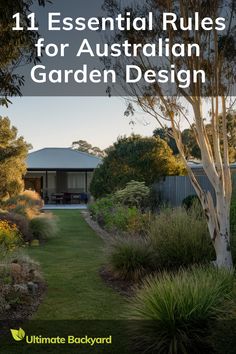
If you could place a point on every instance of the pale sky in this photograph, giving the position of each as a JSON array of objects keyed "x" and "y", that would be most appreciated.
[{"x": 58, "y": 121}]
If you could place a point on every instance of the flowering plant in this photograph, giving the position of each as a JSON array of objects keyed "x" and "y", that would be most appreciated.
[{"x": 10, "y": 237}]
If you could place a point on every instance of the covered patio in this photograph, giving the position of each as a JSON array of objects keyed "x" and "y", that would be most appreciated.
[
  {"x": 64, "y": 207},
  {"x": 61, "y": 176}
]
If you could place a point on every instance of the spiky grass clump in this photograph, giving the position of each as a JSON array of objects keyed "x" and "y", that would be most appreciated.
[
  {"x": 43, "y": 227},
  {"x": 180, "y": 238},
  {"x": 130, "y": 258},
  {"x": 176, "y": 312}
]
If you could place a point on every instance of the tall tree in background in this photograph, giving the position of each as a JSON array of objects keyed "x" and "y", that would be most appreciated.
[
  {"x": 218, "y": 60},
  {"x": 84, "y": 146},
  {"x": 17, "y": 47},
  {"x": 134, "y": 158},
  {"x": 13, "y": 153},
  {"x": 191, "y": 147},
  {"x": 166, "y": 134}
]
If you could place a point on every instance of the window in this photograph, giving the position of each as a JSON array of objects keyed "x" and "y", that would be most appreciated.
[{"x": 76, "y": 180}]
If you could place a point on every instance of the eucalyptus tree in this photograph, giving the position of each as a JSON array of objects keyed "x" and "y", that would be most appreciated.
[{"x": 196, "y": 104}]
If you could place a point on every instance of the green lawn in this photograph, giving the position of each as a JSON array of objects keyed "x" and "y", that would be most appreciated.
[{"x": 70, "y": 263}]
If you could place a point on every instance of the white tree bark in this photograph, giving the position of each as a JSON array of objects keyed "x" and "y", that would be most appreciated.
[
  {"x": 218, "y": 172},
  {"x": 171, "y": 109}
]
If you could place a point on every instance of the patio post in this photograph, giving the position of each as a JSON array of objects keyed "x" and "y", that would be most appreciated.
[
  {"x": 46, "y": 185},
  {"x": 86, "y": 181}
]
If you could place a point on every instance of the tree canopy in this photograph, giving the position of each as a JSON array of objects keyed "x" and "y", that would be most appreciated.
[
  {"x": 134, "y": 158},
  {"x": 17, "y": 47},
  {"x": 191, "y": 147},
  {"x": 13, "y": 153},
  {"x": 84, "y": 146}
]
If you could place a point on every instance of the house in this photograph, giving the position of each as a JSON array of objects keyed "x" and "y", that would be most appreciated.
[
  {"x": 199, "y": 171},
  {"x": 60, "y": 175}
]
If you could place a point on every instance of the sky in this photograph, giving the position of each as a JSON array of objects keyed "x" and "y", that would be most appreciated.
[{"x": 58, "y": 121}]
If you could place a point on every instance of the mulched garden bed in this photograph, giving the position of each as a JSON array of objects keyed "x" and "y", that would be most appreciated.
[
  {"x": 27, "y": 306},
  {"x": 123, "y": 287}
]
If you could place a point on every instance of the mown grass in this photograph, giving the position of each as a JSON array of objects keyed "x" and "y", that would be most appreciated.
[{"x": 70, "y": 263}]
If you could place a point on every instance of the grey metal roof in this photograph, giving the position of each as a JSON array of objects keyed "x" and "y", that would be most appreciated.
[
  {"x": 61, "y": 158},
  {"x": 196, "y": 166}
]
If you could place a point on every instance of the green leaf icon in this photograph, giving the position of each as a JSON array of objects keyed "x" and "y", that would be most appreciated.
[{"x": 18, "y": 335}]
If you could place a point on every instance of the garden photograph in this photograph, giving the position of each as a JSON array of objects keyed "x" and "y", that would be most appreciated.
[{"x": 118, "y": 176}]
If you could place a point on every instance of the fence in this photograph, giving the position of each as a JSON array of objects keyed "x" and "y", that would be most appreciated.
[{"x": 173, "y": 189}]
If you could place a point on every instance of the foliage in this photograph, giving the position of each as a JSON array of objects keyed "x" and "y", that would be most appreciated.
[
  {"x": 17, "y": 47},
  {"x": 173, "y": 243},
  {"x": 233, "y": 228},
  {"x": 84, "y": 146},
  {"x": 101, "y": 210},
  {"x": 189, "y": 201},
  {"x": 16, "y": 271},
  {"x": 191, "y": 147},
  {"x": 10, "y": 237},
  {"x": 123, "y": 219},
  {"x": 118, "y": 218},
  {"x": 134, "y": 194},
  {"x": 166, "y": 134},
  {"x": 130, "y": 258},
  {"x": 155, "y": 199},
  {"x": 20, "y": 221},
  {"x": 233, "y": 215},
  {"x": 28, "y": 204},
  {"x": 13, "y": 152},
  {"x": 43, "y": 227},
  {"x": 134, "y": 158},
  {"x": 180, "y": 238},
  {"x": 177, "y": 312}
]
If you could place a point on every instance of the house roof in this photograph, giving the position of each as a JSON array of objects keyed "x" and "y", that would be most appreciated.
[
  {"x": 199, "y": 166},
  {"x": 61, "y": 158}
]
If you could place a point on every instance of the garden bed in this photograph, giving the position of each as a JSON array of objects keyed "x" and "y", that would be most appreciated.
[{"x": 26, "y": 310}]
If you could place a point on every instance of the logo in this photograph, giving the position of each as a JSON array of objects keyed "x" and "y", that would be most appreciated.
[{"x": 18, "y": 334}]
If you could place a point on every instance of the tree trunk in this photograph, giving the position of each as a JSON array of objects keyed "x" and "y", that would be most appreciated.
[
  {"x": 223, "y": 252},
  {"x": 219, "y": 228}
]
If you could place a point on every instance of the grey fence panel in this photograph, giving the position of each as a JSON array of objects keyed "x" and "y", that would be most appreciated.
[
  {"x": 174, "y": 189},
  {"x": 234, "y": 184}
]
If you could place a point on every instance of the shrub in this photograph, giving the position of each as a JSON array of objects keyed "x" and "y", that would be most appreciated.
[
  {"x": 10, "y": 237},
  {"x": 101, "y": 210},
  {"x": 27, "y": 263},
  {"x": 117, "y": 217},
  {"x": 130, "y": 258},
  {"x": 155, "y": 199},
  {"x": 233, "y": 228},
  {"x": 27, "y": 204},
  {"x": 20, "y": 221},
  {"x": 127, "y": 219},
  {"x": 233, "y": 216},
  {"x": 17, "y": 271},
  {"x": 135, "y": 194},
  {"x": 180, "y": 238},
  {"x": 178, "y": 311},
  {"x": 43, "y": 227},
  {"x": 141, "y": 158},
  {"x": 190, "y": 201}
]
